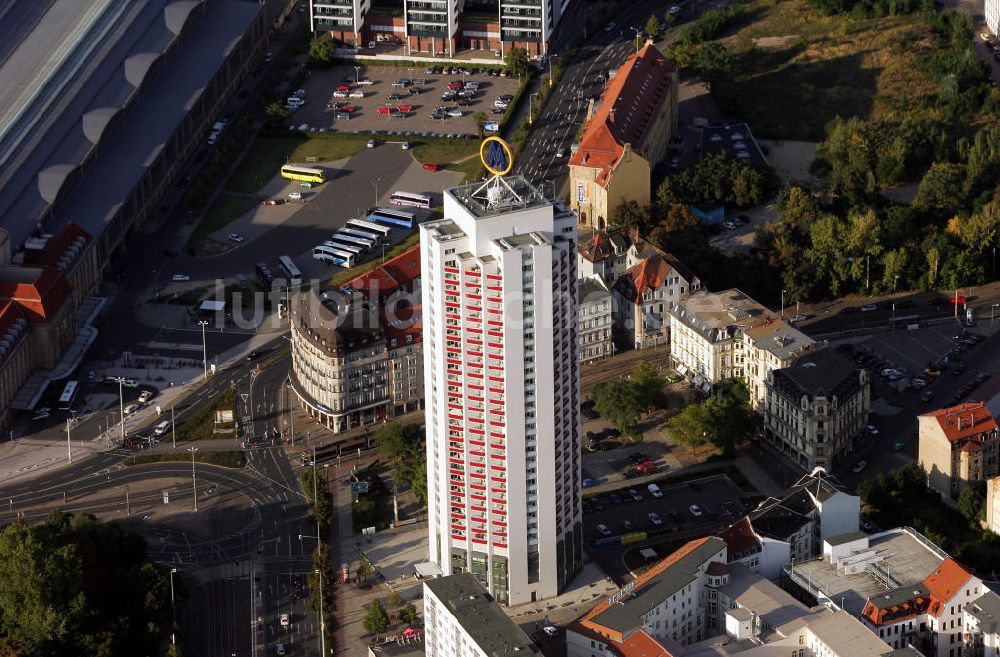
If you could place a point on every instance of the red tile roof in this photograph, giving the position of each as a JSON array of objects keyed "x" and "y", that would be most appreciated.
[
  {"x": 640, "y": 644},
  {"x": 650, "y": 274},
  {"x": 945, "y": 582},
  {"x": 964, "y": 420},
  {"x": 740, "y": 539},
  {"x": 381, "y": 285},
  {"x": 58, "y": 246},
  {"x": 39, "y": 292},
  {"x": 626, "y": 112}
]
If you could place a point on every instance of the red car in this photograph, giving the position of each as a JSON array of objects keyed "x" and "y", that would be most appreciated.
[
  {"x": 455, "y": 85},
  {"x": 347, "y": 108},
  {"x": 431, "y": 167},
  {"x": 343, "y": 87},
  {"x": 385, "y": 110},
  {"x": 405, "y": 108}
]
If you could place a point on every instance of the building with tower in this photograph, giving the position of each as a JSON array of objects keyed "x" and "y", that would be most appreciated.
[{"x": 501, "y": 386}]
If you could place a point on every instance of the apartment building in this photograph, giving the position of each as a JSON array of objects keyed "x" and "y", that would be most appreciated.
[
  {"x": 716, "y": 336},
  {"x": 356, "y": 350},
  {"x": 595, "y": 323},
  {"x": 501, "y": 382},
  {"x": 47, "y": 313},
  {"x": 981, "y": 621},
  {"x": 958, "y": 445},
  {"x": 442, "y": 28},
  {"x": 698, "y": 602},
  {"x": 645, "y": 291},
  {"x": 625, "y": 135},
  {"x": 462, "y": 618},
  {"x": 905, "y": 589},
  {"x": 814, "y": 510},
  {"x": 816, "y": 411}
]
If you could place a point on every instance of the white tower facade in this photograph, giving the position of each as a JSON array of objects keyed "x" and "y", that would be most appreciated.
[{"x": 502, "y": 389}]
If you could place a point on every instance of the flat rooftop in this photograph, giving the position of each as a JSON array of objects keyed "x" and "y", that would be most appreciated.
[
  {"x": 712, "y": 313},
  {"x": 481, "y": 617},
  {"x": 499, "y": 195},
  {"x": 906, "y": 559}
]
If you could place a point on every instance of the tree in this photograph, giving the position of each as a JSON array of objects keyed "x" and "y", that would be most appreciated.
[
  {"x": 365, "y": 570},
  {"x": 653, "y": 26},
  {"x": 942, "y": 188},
  {"x": 517, "y": 63},
  {"x": 620, "y": 403},
  {"x": 276, "y": 113},
  {"x": 376, "y": 620},
  {"x": 649, "y": 384},
  {"x": 714, "y": 64},
  {"x": 409, "y": 614},
  {"x": 323, "y": 49},
  {"x": 690, "y": 427},
  {"x": 396, "y": 600},
  {"x": 629, "y": 213},
  {"x": 403, "y": 444},
  {"x": 972, "y": 501}
]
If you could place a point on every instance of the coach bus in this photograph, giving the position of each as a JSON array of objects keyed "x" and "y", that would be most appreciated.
[
  {"x": 264, "y": 275},
  {"x": 412, "y": 200},
  {"x": 323, "y": 254},
  {"x": 303, "y": 174},
  {"x": 68, "y": 395},
  {"x": 349, "y": 258},
  {"x": 343, "y": 246},
  {"x": 375, "y": 239},
  {"x": 370, "y": 227},
  {"x": 364, "y": 243},
  {"x": 396, "y": 218},
  {"x": 293, "y": 273}
]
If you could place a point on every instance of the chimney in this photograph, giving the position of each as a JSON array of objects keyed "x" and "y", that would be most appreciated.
[{"x": 612, "y": 115}]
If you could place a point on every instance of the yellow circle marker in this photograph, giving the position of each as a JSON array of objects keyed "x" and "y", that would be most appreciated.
[{"x": 496, "y": 156}]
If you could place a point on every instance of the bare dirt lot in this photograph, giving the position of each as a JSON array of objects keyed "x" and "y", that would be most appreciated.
[{"x": 423, "y": 96}]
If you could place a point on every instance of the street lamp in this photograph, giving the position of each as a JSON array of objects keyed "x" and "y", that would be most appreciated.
[
  {"x": 375, "y": 184},
  {"x": 204, "y": 346},
  {"x": 121, "y": 405},
  {"x": 637, "y": 32},
  {"x": 895, "y": 279},
  {"x": 69, "y": 444},
  {"x": 991, "y": 313},
  {"x": 551, "y": 57},
  {"x": 322, "y": 619},
  {"x": 357, "y": 74},
  {"x": 530, "y": 112},
  {"x": 783, "y": 304},
  {"x": 173, "y": 609},
  {"x": 194, "y": 479}
]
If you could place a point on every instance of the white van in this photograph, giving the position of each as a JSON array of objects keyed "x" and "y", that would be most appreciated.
[
  {"x": 161, "y": 428},
  {"x": 654, "y": 490},
  {"x": 491, "y": 126}
]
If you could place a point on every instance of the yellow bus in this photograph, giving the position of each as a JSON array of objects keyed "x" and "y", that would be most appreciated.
[{"x": 305, "y": 174}]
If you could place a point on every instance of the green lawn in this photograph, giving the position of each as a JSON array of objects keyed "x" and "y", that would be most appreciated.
[
  {"x": 200, "y": 426},
  {"x": 357, "y": 270},
  {"x": 223, "y": 210},
  {"x": 267, "y": 154},
  {"x": 796, "y": 69},
  {"x": 227, "y": 459},
  {"x": 443, "y": 151}
]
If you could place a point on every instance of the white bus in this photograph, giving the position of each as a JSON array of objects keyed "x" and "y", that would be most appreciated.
[
  {"x": 323, "y": 255},
  {"x": 412, "y": 200},
  {"x": 293, "y": 273},
  {"x": 337, "y": 244},
  {"x": 364, "y": 243},
  {"x": 68, "y": 395},
  {"x": 349, "y": 258},
  {"x": 394, "y": 218},
  {"x": 360, "y": 234},
  {"x": 370, "y": 227}
]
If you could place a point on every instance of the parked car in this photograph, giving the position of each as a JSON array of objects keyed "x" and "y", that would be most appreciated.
[
  {"x": 603, "y": 530},
  {"x": 859, "y": 466},
  {"x": 695, "y": 510},
  {"x": 178, "y": 278},
  {"x": 589, "y": 482},
  {"x": 654, "y": 518},
  {"x": 356, "y": 94},
  {"x": 550, "y": 630},
  {"x": 927, "y": 396},
  {"x": 295, "y": 196},
  {"x": 131, "y": 408},
  {"x": 868, "y": 307},
  {"x": 371, "y": 143},
  {"x": 236, "y": 237},
  {"x": 145, "y": 396},
  {"x": 872, "y": 430}
]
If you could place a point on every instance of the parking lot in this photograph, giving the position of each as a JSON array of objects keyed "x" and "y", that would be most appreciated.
[
  {"x": 419, "y": 100},
  {"x": 720, "y": 503},
  {"x": 914, "y": 361}
]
